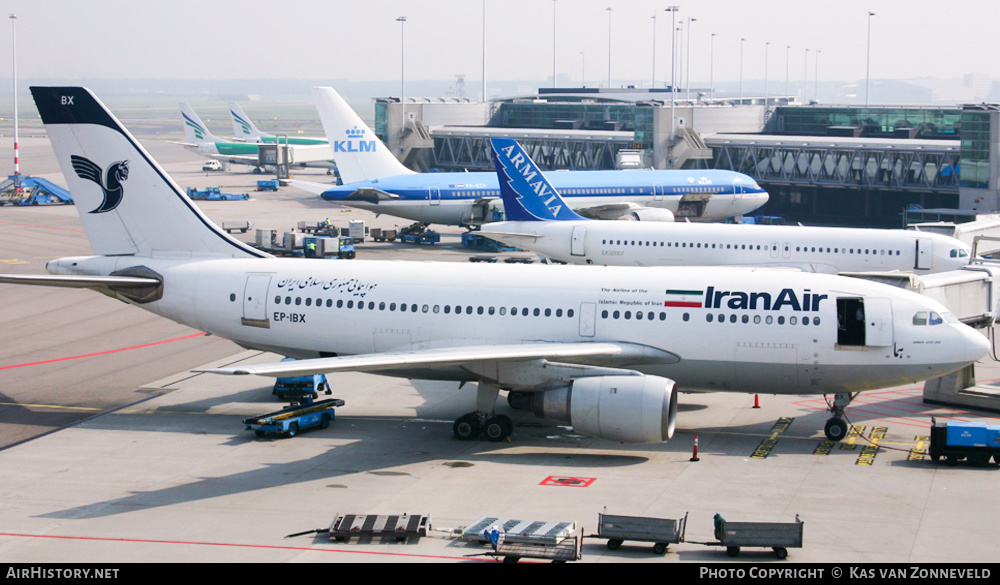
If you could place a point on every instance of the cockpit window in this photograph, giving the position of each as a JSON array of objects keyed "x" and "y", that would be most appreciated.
[
  {"x": 920, "y": 318},
  {"x": 956, "y": 253},
  {"x": 935, "y": 319},
  {"x": 949, "y": 318}
]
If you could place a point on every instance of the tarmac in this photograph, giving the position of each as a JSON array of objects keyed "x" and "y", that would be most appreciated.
[{"x": 113, "y": 451}]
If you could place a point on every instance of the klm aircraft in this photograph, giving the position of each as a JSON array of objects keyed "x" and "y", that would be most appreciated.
[
  {"x": 540, "y": 220},
  {"x": 199, "y": 139},
  {"x": 376, "y": 181},
  {"x": 602, "y": 349}
]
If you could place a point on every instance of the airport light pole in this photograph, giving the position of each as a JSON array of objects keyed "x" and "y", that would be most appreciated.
[
  {"x": 402, "y": 60},
  {"x": 673, "y": 46},
  {"x": 13, "y": 39},
  {"x": 652, "y": 84},
  {"x": 484, "y": 51},
  {"x": 868, "y": 59},
  {"x": 788, "y": 50},
  {"x": 816, "y": 81},
  {"x": 767, "y": 48},
  {"x": 609, "y": 47},
  {"x": 687, "y": 67},
  {"x": 711, "y": 68}
]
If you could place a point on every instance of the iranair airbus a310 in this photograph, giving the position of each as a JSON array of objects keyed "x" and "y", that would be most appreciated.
[
  {"x": 604, "y": 349},
  {"x": 376, "y": 181},
  {"x": 539, "y": 220}
]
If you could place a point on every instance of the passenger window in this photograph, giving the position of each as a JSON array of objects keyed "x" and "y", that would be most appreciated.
[{"x": 920, "y": 318}]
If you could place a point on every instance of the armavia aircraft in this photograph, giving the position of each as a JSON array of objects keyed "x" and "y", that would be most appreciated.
[
  {"x": 541, "y": 221},
  {"x": 376, "y": 181},
  {"x": 199, "y": 139},
  {"x": 603, "y": 349}
]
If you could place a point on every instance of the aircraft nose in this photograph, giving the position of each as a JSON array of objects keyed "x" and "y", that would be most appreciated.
[{"x": 976, "y": 344}]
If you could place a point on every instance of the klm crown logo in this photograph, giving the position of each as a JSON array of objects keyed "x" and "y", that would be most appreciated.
[{"x": 354, "y": 142}]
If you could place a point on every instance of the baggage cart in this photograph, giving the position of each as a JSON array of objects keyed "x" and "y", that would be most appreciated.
[
  {"x": 399, "y": 527},
  {"x": 778, "y": 536},
  {"x": 660, "y": 531},
  {"x": 527, "y": 539}
]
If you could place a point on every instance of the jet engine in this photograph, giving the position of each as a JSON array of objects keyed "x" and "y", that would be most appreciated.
[
  {"x": 630, "y": 409},
  {"x": 650, "y": 214}
]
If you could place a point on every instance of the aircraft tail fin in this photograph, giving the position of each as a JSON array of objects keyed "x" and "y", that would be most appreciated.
[
  {"x": 527, "y": 194},
  {"x": 243, "y": 126},
  {"x": 195, "y": 131},
  {"x": 359, "y": 154},
  {"x": 127, "y": 203}
]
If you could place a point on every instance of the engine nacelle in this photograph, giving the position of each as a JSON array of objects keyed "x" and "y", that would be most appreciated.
[
  {"x": 630, "y": 409},
  {"x": 650, "y": 214}
]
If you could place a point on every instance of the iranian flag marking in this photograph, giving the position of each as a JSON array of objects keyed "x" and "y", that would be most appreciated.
[{"x": 684, "y": 298}]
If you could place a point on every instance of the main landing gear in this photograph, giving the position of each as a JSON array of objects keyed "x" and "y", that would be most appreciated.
[
  {"x": 836, "y": 427},
  {"x": 495, "y": 427}
]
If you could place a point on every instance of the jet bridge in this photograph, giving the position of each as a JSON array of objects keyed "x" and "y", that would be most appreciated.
[{"x": 972, "y": 296}]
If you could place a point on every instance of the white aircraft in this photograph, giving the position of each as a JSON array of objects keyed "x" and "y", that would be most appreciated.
[
  {"x": 602, "y": 349},
  {"x": 539, "y": 220},
  {"x": 199, "y": 139},
  {"x": 244, "y": 129},
  {"x": 376, "y": 181}
]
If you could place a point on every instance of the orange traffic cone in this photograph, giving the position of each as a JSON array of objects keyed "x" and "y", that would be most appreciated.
[
  {"x": 756, "y": 401},
  {"x": 694, "y": 455}
]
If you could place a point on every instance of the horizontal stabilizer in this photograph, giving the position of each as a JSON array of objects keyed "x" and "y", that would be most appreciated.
[
  {"x": 72, "y": 281},
  {"x": 447, "y": 356}
]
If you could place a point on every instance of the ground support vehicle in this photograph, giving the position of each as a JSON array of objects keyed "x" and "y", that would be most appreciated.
[
  {"x": 514, "y": 540},
  {"x": 660, "y": 531},
  {"x": 480, "y": 242},
  {"x": 778, "y": 536},
  {"x": 399, "y": 527},
  {"x": 974, "y": 442},
  {"x": 269, "y": 185},
  {"x": 292, "y": 419},
  {"x": 418, "y": 234},
  {"x": 214, "y": 194}
]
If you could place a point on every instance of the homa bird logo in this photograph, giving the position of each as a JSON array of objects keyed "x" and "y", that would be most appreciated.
[
  {"x": 353, "y": 142},
  {"x": 111, "y": 184}
]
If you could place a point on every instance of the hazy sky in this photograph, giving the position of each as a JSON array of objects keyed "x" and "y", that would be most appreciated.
[{"x": 360, "y": 40}]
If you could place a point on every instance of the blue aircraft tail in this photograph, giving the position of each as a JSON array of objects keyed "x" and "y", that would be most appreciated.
[{"x": 527, "y": 194}]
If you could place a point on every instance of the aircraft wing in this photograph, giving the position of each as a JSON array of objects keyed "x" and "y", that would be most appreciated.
[
  {"x": 74, "y": 281},
  {"x": 309, "y": 186},
  {"x": 452, "y": 356},
  {"x": 599, "y": 210}
]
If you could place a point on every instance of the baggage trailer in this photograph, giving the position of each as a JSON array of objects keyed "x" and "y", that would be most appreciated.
[
  {"x": 778, "y": 536},
  {"x": 292, "y": 419},
  {"x": 660, "y": 531},
  {"x": 527, "y": 539},
  {"x": 399, "y": 527},
  {"x": 974, "y": 442}
]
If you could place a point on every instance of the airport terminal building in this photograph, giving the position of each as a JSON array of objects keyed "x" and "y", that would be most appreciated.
[{"x": 836, "y": 165}]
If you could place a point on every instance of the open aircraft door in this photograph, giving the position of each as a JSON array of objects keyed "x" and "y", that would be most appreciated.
[
  {"x": 434, "y": 195},
  {"x": 925, "y": 254},
  {"x": 255, "y": 301},
  {"x": 577, "y": 246},
  {"x": 878, "y": 322}
]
